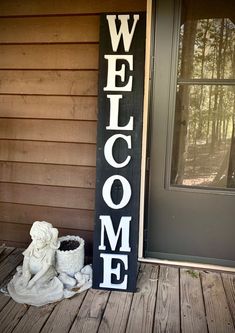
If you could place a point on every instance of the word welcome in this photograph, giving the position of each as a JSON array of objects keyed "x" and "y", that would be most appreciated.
[{"x": 116, "y": 228}]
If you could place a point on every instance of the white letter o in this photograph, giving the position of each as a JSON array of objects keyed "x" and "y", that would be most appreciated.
[{"x": 106, "y": 192}]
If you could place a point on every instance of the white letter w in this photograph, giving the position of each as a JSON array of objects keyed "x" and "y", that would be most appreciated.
[{"x": 123, "y": 30}]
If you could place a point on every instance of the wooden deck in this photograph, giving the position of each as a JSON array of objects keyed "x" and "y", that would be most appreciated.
[{"x": 169, "y": 299}]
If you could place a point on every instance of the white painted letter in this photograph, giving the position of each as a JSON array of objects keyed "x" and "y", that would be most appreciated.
[
  {"x": 108, "y": 150},
  {"x": 106, "y": 192},
  {"x": 114, "y": 115},
  {"x": 124, "y": 226},
  {"x": 113, "y": 72},
  {"x": 123, "y": 31},
  {"x": 108, "y": 271}
]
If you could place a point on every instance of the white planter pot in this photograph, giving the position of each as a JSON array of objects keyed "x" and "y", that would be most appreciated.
[{"x": 70, "y": 261}]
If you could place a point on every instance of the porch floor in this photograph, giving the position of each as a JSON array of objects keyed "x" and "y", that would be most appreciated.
[{"x": 168, "y": 299}]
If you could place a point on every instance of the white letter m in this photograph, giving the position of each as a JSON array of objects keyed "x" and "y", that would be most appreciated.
[{"x": 124, "y": 226}]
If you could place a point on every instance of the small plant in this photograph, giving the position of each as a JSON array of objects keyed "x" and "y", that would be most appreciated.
[{"x": 193, "y": 274}]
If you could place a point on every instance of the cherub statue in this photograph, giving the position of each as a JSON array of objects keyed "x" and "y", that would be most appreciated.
[{"x": 36, "y": 282}]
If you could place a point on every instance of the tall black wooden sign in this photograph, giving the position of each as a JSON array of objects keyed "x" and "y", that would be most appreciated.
[{"x": 121, "y": 86}]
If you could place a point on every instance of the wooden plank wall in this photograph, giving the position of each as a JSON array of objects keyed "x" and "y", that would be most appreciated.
[{"x": 48, "y": 110}]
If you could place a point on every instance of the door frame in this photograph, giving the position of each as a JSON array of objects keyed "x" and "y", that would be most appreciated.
[{"x": 148, "y": 88}]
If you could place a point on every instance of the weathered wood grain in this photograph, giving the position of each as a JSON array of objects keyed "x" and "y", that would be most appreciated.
[
  {"x": 47, "y": 174},
  {"x": 193, "y": 317},
  {"x": 48, "y": 130},
  {"x": 48, "y": 152},
  {"x": 66, "y": 197},
  {"x": 11, "y": 315},
  {"x": 3, "y": 298},
  {"x": 217, "y": 310},
  {"x": 48, "y": 107},
  {"x": 229, "y": 286},
  {"x": 141, "y": 315},
  {"x": 63, "y": 56},
  {"x": 26, "y": 7},
  {"x": 2, "y": 249},
  {"x": 59, "y": 217},
  {"x": 5, "y": 281},
  {"x": 116, "y": 313},
  {"x": 95, "y": 310},
  {"x": 167, "y": 314},
  {"x": 16, "y": 244},
  {"x": 60, "y": 29},
  {"x": 62, "y": 317},
  {"x": 91, "y": 311},
  {"x": 9, "y": 263},
  {"x": 48, "y": 82},
  {"x": 34, "y": 319},
  {"x": 5, "y": 252}
]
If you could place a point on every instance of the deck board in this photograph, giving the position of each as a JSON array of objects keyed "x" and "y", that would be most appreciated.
[
  {"x": 229, "y": 286},
  {"x": 193, "y": 317},
  {"x": 5, "y": 251},
  {"x": 4, "y": 279},
  {"x": 142, "y": 309},
  {"x": 167, "y": 316},
  {"x": 34, "y": 319},
  {"x": 3, "y": 301},
  {"x": 9, "y": 264},
  {"x": 11, "y": 315},
  {"x": 91, "y": 311},
  {"x": 168, "y": 299},
  {"x": 62, "y": 317},
  {"x": 116, "y": 313},
  {"x": 219, "y": 318}
]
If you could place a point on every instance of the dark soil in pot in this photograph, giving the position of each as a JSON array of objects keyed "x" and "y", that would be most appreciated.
[{"x": 69, "y": 245}]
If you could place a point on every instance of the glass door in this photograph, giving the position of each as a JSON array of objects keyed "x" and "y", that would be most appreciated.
[{"x": 192, "y": 171}]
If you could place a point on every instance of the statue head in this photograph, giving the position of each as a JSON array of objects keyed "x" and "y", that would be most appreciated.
[{"x": 43, "y": 235}]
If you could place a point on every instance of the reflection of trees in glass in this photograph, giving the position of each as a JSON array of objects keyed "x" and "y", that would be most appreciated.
[
  {"x": 213, "y": 52},
  {"x": 181, "y": 111},
  {"x": 204, "y": 116},
  {"x": 231, "y": 168}
]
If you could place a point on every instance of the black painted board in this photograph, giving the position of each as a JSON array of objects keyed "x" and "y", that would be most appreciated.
[{"x": 131, "y": 104}]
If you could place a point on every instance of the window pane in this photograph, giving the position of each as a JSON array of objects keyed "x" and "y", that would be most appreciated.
[
  {"x": 204, "y": 139},
  {"x": 207, "y": 40},
  {"x": 204, "y": 145}
]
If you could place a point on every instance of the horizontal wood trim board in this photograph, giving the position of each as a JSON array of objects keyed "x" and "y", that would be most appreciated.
[
  {"x": 70, "y": 29},
  {"x": 48, "y": 82},
  {"x": 29, "y": 7},
  {"x": 59, "y": 217},
  {"x": 81, "y": 56},
  {"x": 66, "y": 197},
  {"x": 48, "y": 152},
  {"x": 48, "y": 130},
  {"x": 48, "y": 107},
  {"x": 20, "y": 233},
  {"x": 47, "y": 174},
  {"x": 18, "y": 245}
]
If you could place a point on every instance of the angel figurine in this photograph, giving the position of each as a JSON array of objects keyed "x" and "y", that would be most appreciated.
[{"x": 36, "y": 282}]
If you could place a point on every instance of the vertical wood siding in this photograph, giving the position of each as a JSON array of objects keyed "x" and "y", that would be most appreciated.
[{"x": 48, "y": 109}]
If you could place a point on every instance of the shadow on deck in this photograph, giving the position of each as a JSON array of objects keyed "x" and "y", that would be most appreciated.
[{"x": 168, "y": 299}]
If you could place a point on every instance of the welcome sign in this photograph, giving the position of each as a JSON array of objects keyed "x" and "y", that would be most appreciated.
[{"x": 121, "y": 89}]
